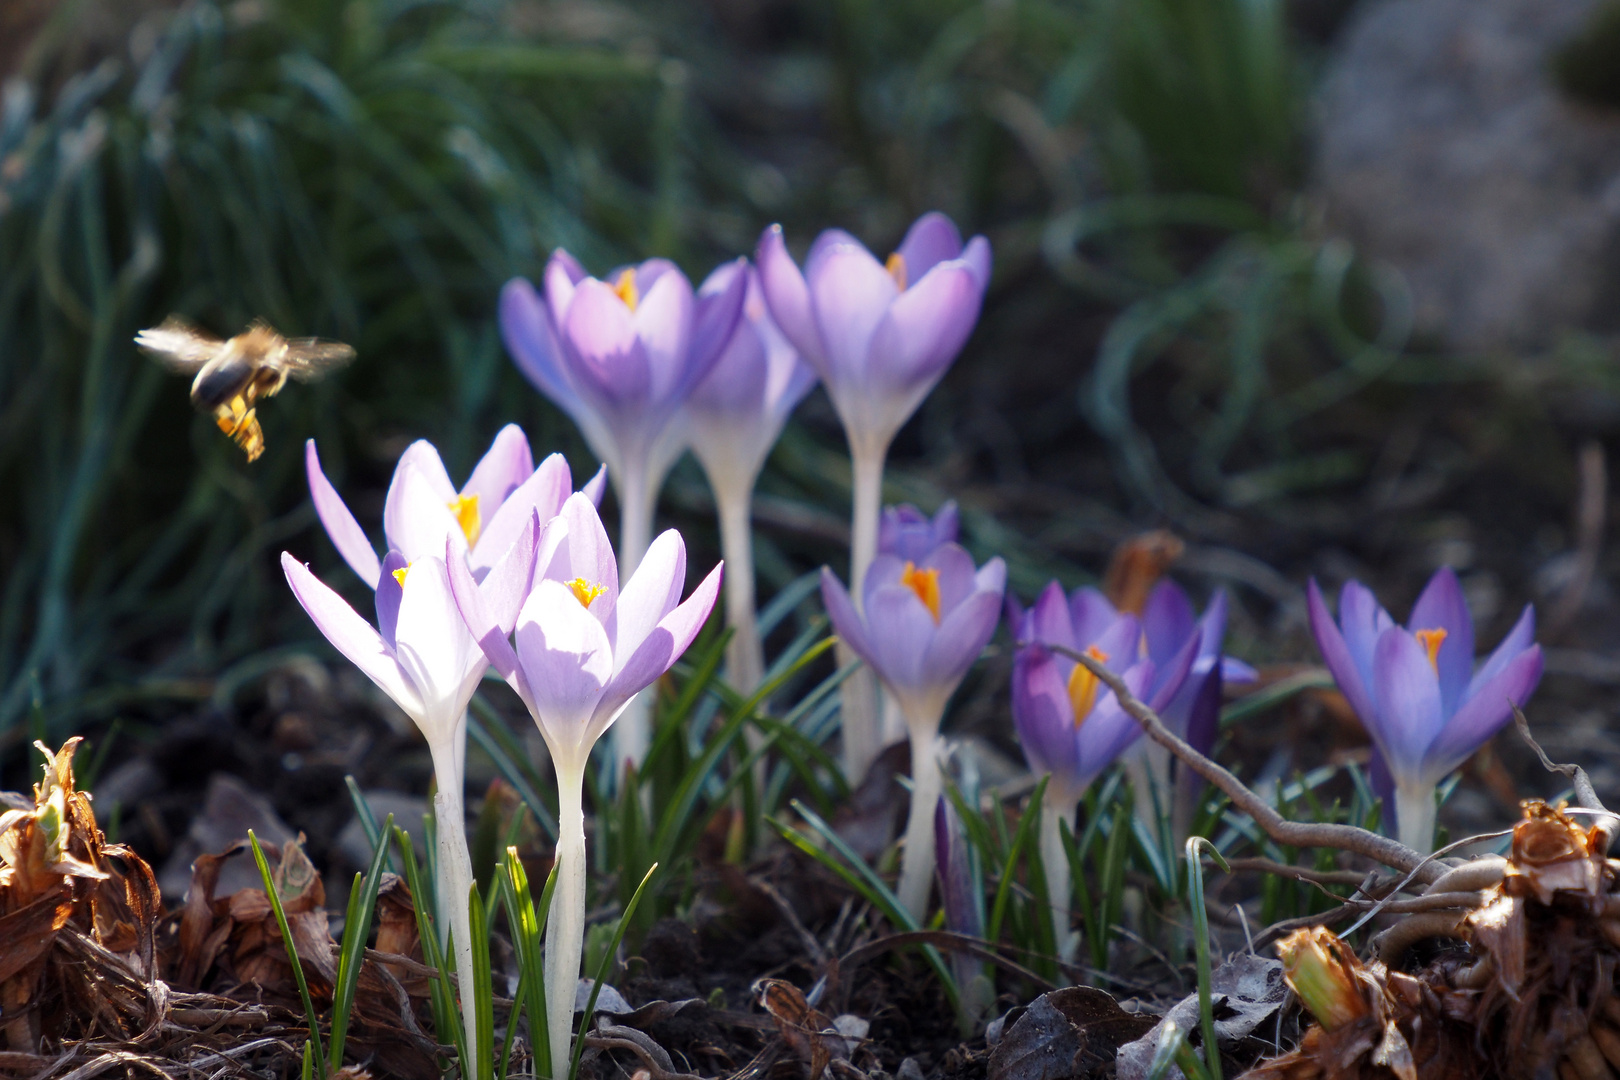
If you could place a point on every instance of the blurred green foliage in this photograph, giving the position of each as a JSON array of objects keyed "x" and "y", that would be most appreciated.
[{"x": 373, "y": 171}]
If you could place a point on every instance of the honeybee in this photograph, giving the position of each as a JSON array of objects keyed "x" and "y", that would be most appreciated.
[{"x": 233, "y": 375}]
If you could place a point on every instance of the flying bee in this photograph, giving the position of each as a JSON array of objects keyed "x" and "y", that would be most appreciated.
[{"x": 233, "y": 375}]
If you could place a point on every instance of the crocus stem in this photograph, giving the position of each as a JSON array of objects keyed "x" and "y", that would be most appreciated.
[
  {"x": 861, "y": 734},
  {"x": 1058, "y": 806},
  {"x": 565, "y": 930},
  {"x": 917, "y": 859},
  {"x": 1415, "y": 813},
  {"x": 1148, "y": 765},
  {"x": 637, "y": 497},
  {"x": 454, "y": 878},
  {"x": 745, "y": 655}
]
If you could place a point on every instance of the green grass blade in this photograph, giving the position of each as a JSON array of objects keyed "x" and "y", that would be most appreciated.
[
  {"x": 602, "y": 970},
  {"x": 482, "y": 991},
  {"x": 512, "y": 1022},
  {"x": 1021, "y": 840},
  {"x": 356, "y": 929},
  {"x": 313, "y": 1046},
  {"x": 485, "y": 728},
  {"x": 527, "y": 926},
  {"x": 1200, "y": 921},
  {"x": 442, "y": 995}
]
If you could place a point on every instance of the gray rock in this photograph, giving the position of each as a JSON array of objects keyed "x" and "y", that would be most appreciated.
[{"x": 1445, "y": 148}]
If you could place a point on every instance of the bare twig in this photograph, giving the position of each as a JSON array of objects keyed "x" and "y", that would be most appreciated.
[
  {"x": 1292, "y": 833},
  {"x": 1585, "y": 794},
  {"x": 1260, "y": 865}
]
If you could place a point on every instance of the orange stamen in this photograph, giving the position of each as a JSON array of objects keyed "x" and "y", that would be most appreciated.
[
  {"x": 1431, "y": 641},
  {"x": 464, "y": 508},
  {"x": 896, "y": 266},
  {"x": 625, "y": 287},
  {"x": 1083, "y": 686},
  {"x": 586, "y": 591},
  {"x": 925, "y": 583}
]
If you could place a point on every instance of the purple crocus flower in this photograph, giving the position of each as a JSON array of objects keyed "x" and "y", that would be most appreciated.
[
  {"x": 880, "y": 335},
  {"x": 423, "y": 507},
  {"x": 911, "y": 534},
  {"x": 920, "y": 628},
  {"x": 961, "y": 888},
  {"x": 421, "y": 655},
  {"x": 731, "y": 420},
  {"x": 1417, "y": 691},
  {"x": 582, "y": 649}
]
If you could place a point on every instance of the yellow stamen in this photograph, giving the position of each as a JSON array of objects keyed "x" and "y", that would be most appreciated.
[
  {"x": 1083, "y": 686},
  {"x": 586, "y": 591},
  {"x": 1431, "y": 640},
  {"x": 399, "y": 575},
  {"x": 925, "y": 583},
  {"x": 464, "y": 508},
  {"x": 625, "y": 287},
  {"x": 896, "y": 266}
]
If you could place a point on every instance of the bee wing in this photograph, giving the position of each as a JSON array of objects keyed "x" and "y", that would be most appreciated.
[
  {"x": 308, "y": 359},
  {"x": 178, "y": 345}
]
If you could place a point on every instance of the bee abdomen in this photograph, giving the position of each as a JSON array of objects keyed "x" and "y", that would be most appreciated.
[{"x": 220, "y": 381}]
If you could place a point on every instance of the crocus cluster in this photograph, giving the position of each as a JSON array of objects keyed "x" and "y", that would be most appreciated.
[
  {"x": 1417, "y": 691},
  {"x": 453, "y": 588}
]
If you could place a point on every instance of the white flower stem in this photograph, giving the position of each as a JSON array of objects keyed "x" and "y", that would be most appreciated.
[
  {"x": 1148, "y": 765},
  {"x": 637, "y": 498},
  {"x": 453, "y": 879},
  {"x": 1056, "y": 806},
  {"x": 859, "y": 694},
  {"x": 1415, "y": 814},
  {"x": 917, "y": 858},
  {"x": 565, "y": 929},
  {"x": 745, "y": 655}
]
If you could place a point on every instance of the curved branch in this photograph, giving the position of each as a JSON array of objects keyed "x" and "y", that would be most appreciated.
[{"x": 1381, "y": 849}]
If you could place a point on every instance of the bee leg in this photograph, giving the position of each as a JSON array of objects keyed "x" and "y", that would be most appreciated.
[
  {"x": 231, "y": 415},
  {"x": 250, "y": 436}
]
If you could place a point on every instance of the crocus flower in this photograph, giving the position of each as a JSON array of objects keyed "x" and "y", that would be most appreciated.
[
  {"x": 880, "y": 335},
  {"x": 620, "y": 356},
  {"x": 421, "y": 655},
  {"x": 1070, "y": 725},
  {"x": 911, "y": 534},
  {"x": 731, "y": 420},
  {"x": 1416, "y": 689},
  {"x": 583, "y": 649},
  {"x": 961, "y": 888},
  {"x": 920, "y": 628},
  {"x": 423, "y": 506}
]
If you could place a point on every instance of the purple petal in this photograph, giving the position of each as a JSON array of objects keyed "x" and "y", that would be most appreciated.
[
  {"x": 1042, "y": 713},
  {"x": 956, "y": 574},
  {"x": 734, "y": 389},
  {"x": 510, "y": 580},
  {"x": 1336, "y": 654},
  {"x": 484, "y": 624},
  {"x": 1204, "y": 719},
  {"x": 503, "y": 467},
  {"x": 582, "y": 551},
  {"x": 567, "y": 659},
  {"x": 1362, "y": 620},
  {"x": 932, "y": 238},
  {"x": 947, "y": 523},
  {"x": 605, "y": 351},
  {"x": 663, "y": 321},
  {"x": 1212, "y": 627},
  {"x": 388, "y": 596},
  {"x": 1049, "y": 619},
  {"x": 900, "y": 629},
  {"x": 347, "y": 536},
  {"x": 350, "y": 634},
  {"x": 1442, "y": 605},
  {"x": 919, "y": 335},
  {"x": 423, "y": 456},
  {"x": 956, "y": 884},
  {"x": 1167, "y": 621},
  {"x": 652, "y": 592},
  {"x": 1014, "y": 614},
  {"x": 563, "y": 274},
  {"x": 543, "y": 493},
  {"x": 432, "y": 643},
  {"x": 1406, "y": 697},
  {"x": 977, "y": 257},
  {"x": 1091, "y": 613},
  {"x": 1520, "y": 638},
  {"x": 841, "y": 610},
  {"x": 884, "y": 571},
  {"x": 961, "y": 638},
  {"x": 850, "y": 292},
  {"x": 596, "y": 487},
  {"x": 719, "y": 310},
  {"x": 531, "y": 339},
  {"x": 1109, "y": 730},
  {"x": 788, "y": 297},
  {"x": 828, "y": 240},
  {"x": 1484, "y": 714},
  {"x": 1169, "y": 679},
  {"x": 1121, "y": 643},
  {"x": 415, "y": 519},
  {"x": 664, "y": 645}
]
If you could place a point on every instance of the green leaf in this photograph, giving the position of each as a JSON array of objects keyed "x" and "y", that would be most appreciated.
[
  {"x": 602, "y": 970},
  {"x": 313, "y": 1046},
  {"x": 356, "y": 931}
]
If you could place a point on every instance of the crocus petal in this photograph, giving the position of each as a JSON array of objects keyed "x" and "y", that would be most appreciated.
[
  {"x": 1169, "y": 679},
  {"x": 582, "y": 550},
  {"x": 351, "y": 635},
  {"x": 563, "y": 274},
  {"x": 977, "y": 257},
  {"x": 543, "y": 492},
  {"x": 498, "y": 473},
  {"x": 1362, "y": 620},
  {"x": 660, "y": 648},
  {"x": 484, "y": 624},
  {"x": 606, "y": 355},
  {"x": 1484, "y": 714},
  {"x": 1110, "y": 730},
  {"x": 567, "y": 659},
  {"x": 415, "y": 519},
  {"x": 716, "y": 315},
  {"x": 510, "y": 580},
  {"x": 1042, "y": 713},
  {"x": 652, "y": 592},
  {"x": 1336, "y": 654},
  {"x": 932, "y": 238},
  {"x": 388, "y": 597},
  {"x": 961, "y": 638},
  {"x": 922, "y": 331},
  {"x": 788, "y": 297},
  {"x": 956, "y": 573},
  {"x": 1204, "y": 718},
  {"x": 531, "y": 340},
  {"x": 1167, "y": 621},
  {"x": 597, "y": 487},
  {"x": 1442, "y": 605},
  {"x": 1212, "y": 627},
  {"x": 345, "y": 532},
  {"x": 1014, "y": 614},
  {"x": 1520, "y": 638},
  {"x": 1406, "y": 697},
  {"x": 1049, "y": 619},
  {"x": 424, "y": 457},
  {"x": 850, "y": 292},
  {"x": 431, "y": 640},
  {"x": 663, "y": 323},
  {"x": 1091, "y": 613},
  {"x": 900, "y": 628},
  {"x": 841, "y": 610}
]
